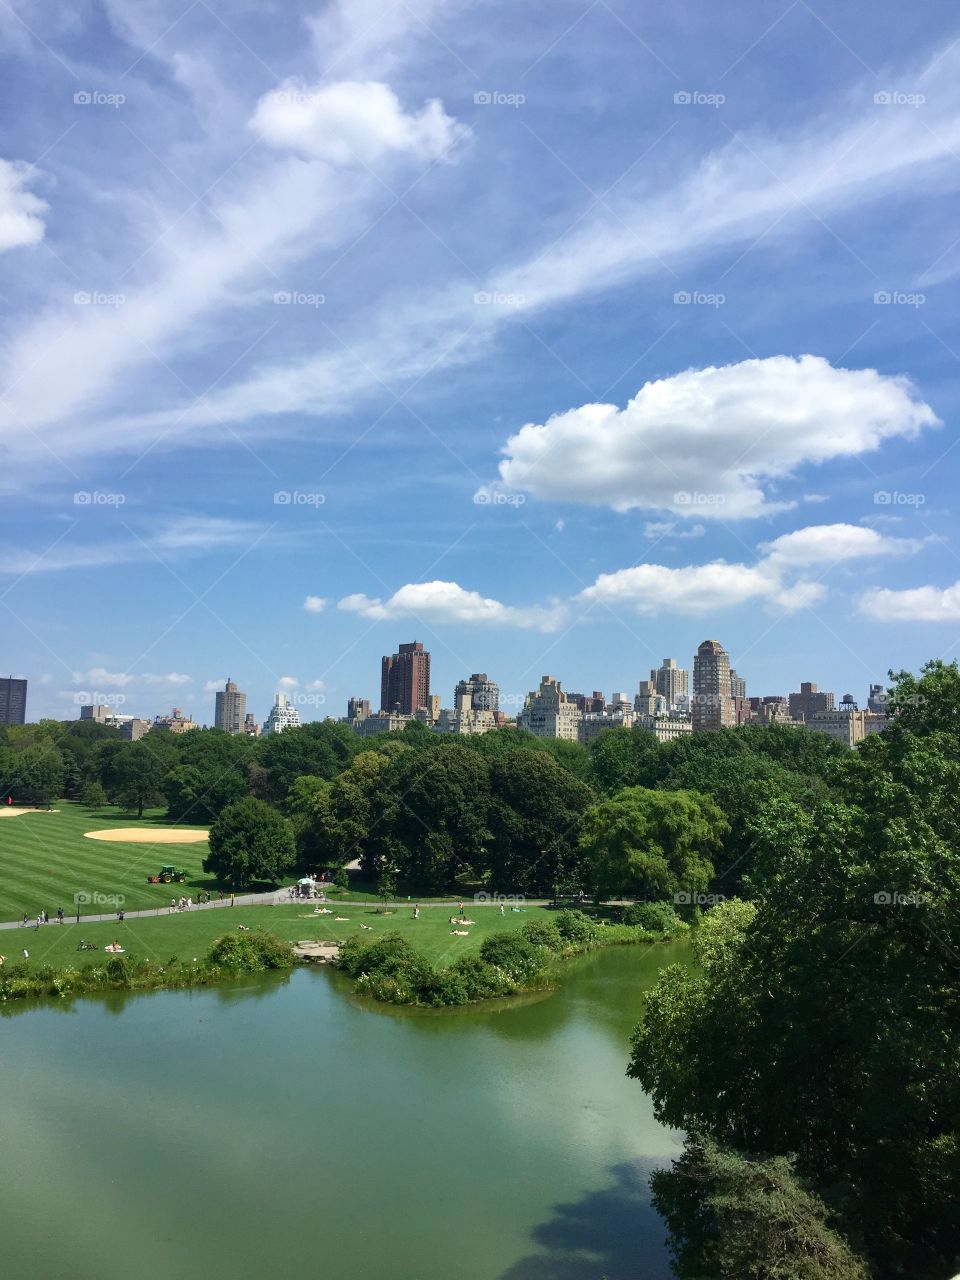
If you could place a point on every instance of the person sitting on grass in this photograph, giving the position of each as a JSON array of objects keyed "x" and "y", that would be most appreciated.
[
  {"x": 245, "y": 928},
  {"x": 460, "y": 933}
]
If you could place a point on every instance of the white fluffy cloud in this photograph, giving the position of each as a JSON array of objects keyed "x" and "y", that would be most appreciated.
[
  {"x": 775, "y": 580},
  {"x": 915, "y": 604},
  {"x": 437, "y": 602},
  {"x": 352, "y": 122},
  {"x": 649, "y": 589},
  {"x": 21, "y": 212},
  {"x": 712, "y": 442},
  {"x": 288, "y": 682},
  {"x": 828, "y": 543},
  {"x": 314, "y": 604}
]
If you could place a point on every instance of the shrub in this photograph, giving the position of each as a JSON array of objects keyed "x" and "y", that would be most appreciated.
[
  {"x": 477, "y": 978},
  {"x": 250, "y": 952},
  {"x": 391, "y": 956},
  {"x": 575, "y": 927},
  {"x": 656, "y": 917},
  {"x": 512, "y": 954},
  {"x": 543, "y": 933}
]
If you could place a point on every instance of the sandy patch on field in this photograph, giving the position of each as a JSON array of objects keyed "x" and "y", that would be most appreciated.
[
  {"x": 157, "y": 835},
  {"x": 11, "y": 811}
]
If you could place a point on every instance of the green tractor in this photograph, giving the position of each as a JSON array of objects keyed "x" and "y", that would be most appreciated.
[{"x": 168, "y": 875}]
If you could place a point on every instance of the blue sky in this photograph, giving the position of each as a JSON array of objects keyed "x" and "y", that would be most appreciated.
[{"x": 560, "y": 338}]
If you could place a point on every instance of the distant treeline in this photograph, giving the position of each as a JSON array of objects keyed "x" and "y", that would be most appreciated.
[{"x": 516, "y": 813}]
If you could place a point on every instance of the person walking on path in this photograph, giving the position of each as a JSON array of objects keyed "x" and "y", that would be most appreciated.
[{"x": 59, "y": 915}]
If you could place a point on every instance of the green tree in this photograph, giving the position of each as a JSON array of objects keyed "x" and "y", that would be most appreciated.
[
  {"x": 656, "y": 844},
  {"x": 34, "y": 774},
  {"x": 836, "y": 991},
  {"x": 429, "y": 817},
  {"x": 386, "y": 886},
  {"x": 250, "y": 843},
  {"x": 535, "y": 818},
  {"x": 138, "y": 773},
  {"x": 731, "y": 1217},
  {"x": 93, "y": 795},
  {"x": 321, "y": 749}
]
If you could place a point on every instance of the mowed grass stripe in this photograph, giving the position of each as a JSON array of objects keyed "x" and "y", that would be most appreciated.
[{"x": 45, "y": 860}]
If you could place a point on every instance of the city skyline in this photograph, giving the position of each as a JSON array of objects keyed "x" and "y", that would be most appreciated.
[
  {"x": 672, "y": 672},
  {"x": 556, "y": 382}
]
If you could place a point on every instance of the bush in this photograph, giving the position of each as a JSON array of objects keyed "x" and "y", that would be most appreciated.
[
  {"x": 543, "y": 933},
  {"x": 391, "y": 956},
  {"x": 656, "y": 917},
  {"x": 575, "y": 927},
  {"x": 93, "y": 795},
  {"x": 250, "y": 952},
  {"x": 478, "y": 979},
  {"x": 512, "y": 954}
]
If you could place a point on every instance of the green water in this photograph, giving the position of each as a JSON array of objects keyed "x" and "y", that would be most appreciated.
[{"x": 285, "y": 1129}]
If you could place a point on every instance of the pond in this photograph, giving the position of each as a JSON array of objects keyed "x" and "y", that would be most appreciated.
[{"x": 285, "y": 1127}]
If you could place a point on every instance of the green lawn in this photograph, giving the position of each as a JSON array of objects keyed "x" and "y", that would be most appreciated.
[
  {"x": 188, "y": 934},
  {"x": 45, "y": 861}
]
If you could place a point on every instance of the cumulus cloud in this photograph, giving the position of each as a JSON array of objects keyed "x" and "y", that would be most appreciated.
[
  {"x": 314, "y": 604},
  {"x": 21, "y": 212},
  {"x": 352, "y": 122},
  {"x": 438, "y": 602},
  {"x": 914, "y": 604},
  {"x": 288, "y": 682},
  {"x": 828, "y": 543},
  {"x": 712, "y": 442},
  {"x": 649, "y": 589},
  {"x": 775, "y": 580}
]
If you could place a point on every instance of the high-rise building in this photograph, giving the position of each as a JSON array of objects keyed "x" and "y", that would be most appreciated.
[
  {"x": 13, "y": 701},
  {"x": 549, "y": 713},
  {"x": 738, "y": 686},
  {"x": 358, "y": 708},
  {"x": 405, "y": 679},
  {"x": 282, "y": 716},
  {"x": 648, "y": 702},
  {"x": 809, "y": 702},
  {"x": 713, "y": 706},
  {"x": 231, "y": 709},
  {"x": 672, "y": 683},
  {"x": 484, "y": 694},
  {"x": 250, "y": 726}
]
